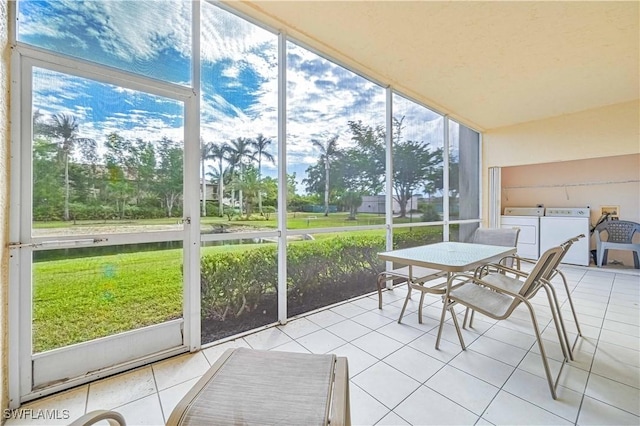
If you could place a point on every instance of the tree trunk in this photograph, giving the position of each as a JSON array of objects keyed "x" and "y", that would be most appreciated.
[
  {"x": 352, "y": 212},
  {"x": 240, "y": 190},
  {"x": 326, "y": 187},
  {"x": 233, "y": 197},
  {"x": 403, "y": 208},
  {"x": 204, "y": 192},
  {"x": 260, "y": 192},
  {"x": 66, "y": 186},
  {"x": 168, "y": 199},
  {"x": 220, "y": 195}
]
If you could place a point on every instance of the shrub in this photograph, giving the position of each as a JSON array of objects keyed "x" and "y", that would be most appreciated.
[
  {"x": 412, "y": 237},
  {"x": 233, "y": 283},
  {"x": 229, "y": 212},
  {"x": 254, "y": 217},
  {"x": 213, "y": 209},
  {"x": 430, "y": 213},
  {"x": 46, "y": 213},
  {"x": 268, "y": 211}
]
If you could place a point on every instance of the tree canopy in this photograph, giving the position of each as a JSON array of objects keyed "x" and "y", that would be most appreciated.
[{"x": 135, "y": 178}]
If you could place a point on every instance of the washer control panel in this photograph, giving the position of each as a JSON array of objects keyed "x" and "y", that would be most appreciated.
[
  {"x": 523, "y": 211},
  {"x": 567, "y": 211}
]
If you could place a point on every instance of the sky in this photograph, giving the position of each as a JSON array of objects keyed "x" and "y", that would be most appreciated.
[{"x": 239, "y": 70}]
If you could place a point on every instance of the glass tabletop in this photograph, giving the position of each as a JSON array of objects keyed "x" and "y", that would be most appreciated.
[{"x": 448, "y": 256}]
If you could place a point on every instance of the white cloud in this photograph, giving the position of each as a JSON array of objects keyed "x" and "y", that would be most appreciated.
[
  {"x": 321, "y": 97},
  {"x": 129, "y": 30}
]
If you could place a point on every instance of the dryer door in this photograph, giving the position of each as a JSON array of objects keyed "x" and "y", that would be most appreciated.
[{"x": 529, "y": 239}]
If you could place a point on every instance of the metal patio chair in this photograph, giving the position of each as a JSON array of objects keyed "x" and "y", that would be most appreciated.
[
  {"x": 254, "y": 387},
  {"x": 552, "y": 273},
  {"x": 414, "y": 274},
  {"x": 619, "y": 237},
  {"x": 497, "y": 295}
]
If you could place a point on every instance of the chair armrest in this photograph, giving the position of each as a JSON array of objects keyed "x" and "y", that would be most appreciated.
[
  {"x": 518, "y": 260},
  {"x": 464, "y": 277},
  {"x": 501, "y": 269},
  {"x": 112, "y": 417}
]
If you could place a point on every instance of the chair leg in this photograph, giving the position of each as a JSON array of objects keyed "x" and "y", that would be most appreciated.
[
  {"x": 422, "y": 294},
  {"x": 455, "y": 323},
  {"x": 599, "y": 256},
  {"x": 561, "y": 330},
  {"x": 602, "y": 258},
  {"x": 570, "y": 300},
  {"x": 406, "y": 301},
  {"x": 445, "y": 304},
  {"x": 380, "y": 276},
  {"x": 469, "y": 316},
  {"x": 636, "y": 260},
  {"x": 543, "y": 354}
]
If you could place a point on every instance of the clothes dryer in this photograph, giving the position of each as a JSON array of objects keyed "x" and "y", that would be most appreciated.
[{"x": 528, "y": 220}]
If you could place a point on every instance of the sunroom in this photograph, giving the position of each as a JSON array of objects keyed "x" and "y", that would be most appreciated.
[{"x": 181, "y": 177}]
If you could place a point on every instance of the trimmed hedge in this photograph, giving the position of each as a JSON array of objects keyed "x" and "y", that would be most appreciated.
[{"x": 234, "y": 283}]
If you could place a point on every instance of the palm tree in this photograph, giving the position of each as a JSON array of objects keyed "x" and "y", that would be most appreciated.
[
  {"x": 220, "y": 153},
  {"x": 206, "y": 153},
  {"x": 65, "y": 128},
  {"x": 328, "y": 150},
  {"x": 251, "y": 187},
  {"x": 260, "y": 144},
  {"x": 240, "y": 149}
]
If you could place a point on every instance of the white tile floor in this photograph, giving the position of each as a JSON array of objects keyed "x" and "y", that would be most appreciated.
[{"x": 399, "y": 378}]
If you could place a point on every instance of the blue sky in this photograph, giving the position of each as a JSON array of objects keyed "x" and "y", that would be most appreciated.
[{"x": 239, "y": 77}]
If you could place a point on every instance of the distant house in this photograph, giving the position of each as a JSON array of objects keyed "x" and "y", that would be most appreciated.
[
  {"x": 211, "y": 191},
  {"x": 376, "y": 204}
]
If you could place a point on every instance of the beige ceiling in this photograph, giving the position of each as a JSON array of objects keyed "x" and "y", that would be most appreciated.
[{"x": 488, "y": 64}]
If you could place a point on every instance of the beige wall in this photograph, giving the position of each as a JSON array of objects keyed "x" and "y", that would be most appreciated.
[
  {"x": 4, "y": 197},
  {"x": 593, "y": 182},
  {"x": 600, "y": 132}
]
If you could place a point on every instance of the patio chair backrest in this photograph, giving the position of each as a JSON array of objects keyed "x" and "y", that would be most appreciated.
[
  {"x": 543, "y": 268},
  {"x": 507, "y": 237},
  {"x": 565, "y": 248},
  {"x": 618, "y": 231}
]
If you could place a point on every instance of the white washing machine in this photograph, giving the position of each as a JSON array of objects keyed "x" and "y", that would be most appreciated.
[
  {"x": 528, "y": 220},
  {"x": 561, "y": 223}
]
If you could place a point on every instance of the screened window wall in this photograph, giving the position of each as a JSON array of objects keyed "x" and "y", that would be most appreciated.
[
  {"x": 464, "y": 181},
  {"x": 336, "y": 167},
  {"x": 123, "y": 166}
]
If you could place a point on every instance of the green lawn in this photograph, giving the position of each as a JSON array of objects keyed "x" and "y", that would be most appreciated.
[{"x": 81, "y": 299}]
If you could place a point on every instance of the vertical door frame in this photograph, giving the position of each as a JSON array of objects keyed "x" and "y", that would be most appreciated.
[{"x": 24, "y": 60}]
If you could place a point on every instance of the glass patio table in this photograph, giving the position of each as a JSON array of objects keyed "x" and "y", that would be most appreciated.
[{"x": 449, "y": 257}]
